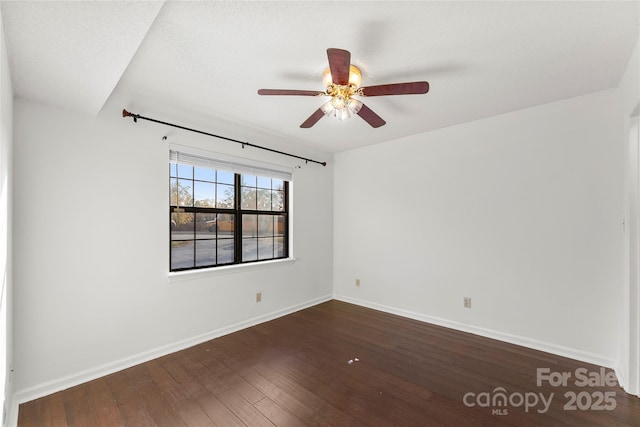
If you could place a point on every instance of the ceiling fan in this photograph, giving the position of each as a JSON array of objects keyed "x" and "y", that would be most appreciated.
[{"x": 342, "y": 81}]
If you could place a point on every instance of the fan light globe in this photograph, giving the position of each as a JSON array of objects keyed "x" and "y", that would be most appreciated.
[{"x": 338, "y": 102}]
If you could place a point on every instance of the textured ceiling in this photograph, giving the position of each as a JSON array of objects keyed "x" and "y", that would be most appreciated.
[
  {"x": 72, "y": 54},
  {"x": 203, "y": 62}
]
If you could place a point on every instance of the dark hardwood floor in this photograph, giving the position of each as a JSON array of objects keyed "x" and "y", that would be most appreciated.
[{"x": 338, "y": 364}]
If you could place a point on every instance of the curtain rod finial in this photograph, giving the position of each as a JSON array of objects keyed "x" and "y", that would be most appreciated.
[{"x": 125, "y": 113}]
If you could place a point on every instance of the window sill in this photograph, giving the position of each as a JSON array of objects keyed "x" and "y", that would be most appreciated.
[{"x": 180, "y": 276}]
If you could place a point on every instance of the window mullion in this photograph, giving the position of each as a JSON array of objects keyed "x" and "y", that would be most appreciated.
[
  {"x": 238, "y": 221},
  {"x": 285, "y": 239}
]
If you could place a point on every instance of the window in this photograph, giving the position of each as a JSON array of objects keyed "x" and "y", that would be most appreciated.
[{"x": 222, "y": 214}]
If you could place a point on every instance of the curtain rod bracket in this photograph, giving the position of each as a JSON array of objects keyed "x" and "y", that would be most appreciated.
[{"x": 135, "y": 117}]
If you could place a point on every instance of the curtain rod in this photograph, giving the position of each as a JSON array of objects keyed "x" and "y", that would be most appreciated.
[{"x": 135, "y": 117}]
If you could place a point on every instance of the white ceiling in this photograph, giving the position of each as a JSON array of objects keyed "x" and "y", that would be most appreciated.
[{"x": 203, "y": 62}]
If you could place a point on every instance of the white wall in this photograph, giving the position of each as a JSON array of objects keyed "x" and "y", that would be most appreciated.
[
  {"x": 91, "y": 260},
  {"x": 629, "y": 368},
  {"x": 521, "y": 212},
  {"x": 6, "y": 144}
]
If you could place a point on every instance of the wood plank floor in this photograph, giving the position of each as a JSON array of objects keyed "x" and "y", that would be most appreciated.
[{"x": 296, "y": 371}]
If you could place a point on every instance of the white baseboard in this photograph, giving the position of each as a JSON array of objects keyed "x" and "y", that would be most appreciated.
[
  {"x": 626, "y": 382},
  {"x": 559, "y": 350},
  {"x": 622, "y": 378},
  {"x": 63, "y": 383}
]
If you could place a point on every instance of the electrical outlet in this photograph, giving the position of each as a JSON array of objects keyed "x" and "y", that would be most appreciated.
[
  {"x": 467, "y": 302},
  {"x": 258, "y": 296},
  {"x": 357, "y": 282}
]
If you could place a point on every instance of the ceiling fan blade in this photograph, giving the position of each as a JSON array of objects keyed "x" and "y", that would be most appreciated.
[
  {"x": 290, "y": 92},
  {"x": 370, "y": 117},
  {"x": 412, "y": 88},
  {"x": 313, "y": 119},
  {"x": 339, "y": 62}
]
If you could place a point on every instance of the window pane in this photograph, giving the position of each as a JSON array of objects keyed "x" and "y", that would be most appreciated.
[
  {"x": 278, "y": 247},
  {"x": 265, "y": 225},
  {"x": 225, "y": 177},
  {"x": 265, "y": 248},
  {"x": 173, "y": 192},
  {"x": 279, "y": 225},
  {"x": 204, "y": 194},
  {"x": 249, "y": 249},
  {"x": 277, "y": 184},
  {"x": 173, "y": 170},
  {"x": 185, "y": 192},
  {"x": 249, "y": 180},
  {"x": 204, "y": 174},
  {"x": 205, "y": 252},
  {"x": 264, "y": 182},
  {"x": 181, "y": 226},
  {"x": 278, "y": 201},
  {"x": 249, "y": 225},
  {"x": 185, "y": 171},
  {"x": 264, "y": 200},
  {"x": 225, "y": 196},
  {"x": 205, "y": 225},
  {"x": 226, "y": 254},
  {"x": 225, "y": 224},
  {"x": 181, "y": 254},
  {"x": 248, "y": 198}
]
